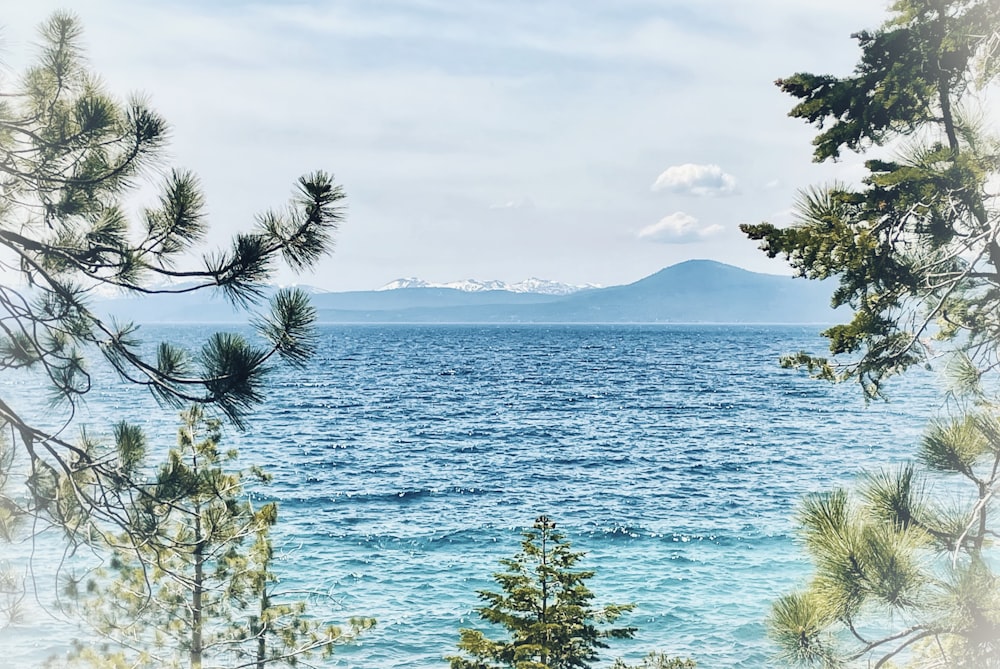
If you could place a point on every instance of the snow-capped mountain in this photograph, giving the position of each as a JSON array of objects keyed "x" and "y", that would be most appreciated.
[
  {"x": 695, "y": 291},
  {"x": 532, "y": 285},
  {"x": 546, "y": 287}
]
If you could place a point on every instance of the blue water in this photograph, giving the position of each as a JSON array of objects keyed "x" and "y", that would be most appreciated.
[{"x": 406, "y": 459}]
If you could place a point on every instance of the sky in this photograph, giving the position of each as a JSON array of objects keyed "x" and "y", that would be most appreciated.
[{"x": 570, "y": 140}]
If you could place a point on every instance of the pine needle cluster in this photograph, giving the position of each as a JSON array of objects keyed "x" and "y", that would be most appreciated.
[{"x": 72, "y": 157}]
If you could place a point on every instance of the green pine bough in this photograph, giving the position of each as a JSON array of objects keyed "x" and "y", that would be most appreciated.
[
  {"x": 904, "y": 566},
  {"x": 914, "y": 249},
  {"x": 72, "y": 157}
]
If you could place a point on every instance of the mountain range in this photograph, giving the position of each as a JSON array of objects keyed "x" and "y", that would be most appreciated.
[
  {"x": 532, "y": 285},
  {"x": 694, "y": 291}
]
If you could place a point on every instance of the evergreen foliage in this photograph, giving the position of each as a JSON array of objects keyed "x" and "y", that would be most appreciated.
[
  {"x": 546, "y": 609},
  {"x": 902, "y": 579},
  {"x": 915, "y": 249},
  {"x": 71, "y": 156},
  {"x": 658, "y": 661},
  {"x": 12, "y": 591},
  {"x": 192, "y": 584},
  {"x": 901, "y": 575}
]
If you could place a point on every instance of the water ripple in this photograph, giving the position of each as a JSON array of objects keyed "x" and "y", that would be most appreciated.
[{"x": 406, "y": 459}]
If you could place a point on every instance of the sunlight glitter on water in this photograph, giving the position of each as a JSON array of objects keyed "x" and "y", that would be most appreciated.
[{"x": 674, "y": 456}]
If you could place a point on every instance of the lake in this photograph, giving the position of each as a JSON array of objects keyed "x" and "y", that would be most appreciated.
[{"x": 406, "y": 460}]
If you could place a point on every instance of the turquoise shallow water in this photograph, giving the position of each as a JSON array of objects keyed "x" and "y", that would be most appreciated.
[{"x": 407, "y": 458}]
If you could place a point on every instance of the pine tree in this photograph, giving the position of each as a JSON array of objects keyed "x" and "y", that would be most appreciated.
[
  {"x": 915, "y": 249},
  {"x": 545, "y": 607},
  {"x": 71, "y": 157},
  {"x": 192, "y": 584},
  {"x": 901, "y": 579}
]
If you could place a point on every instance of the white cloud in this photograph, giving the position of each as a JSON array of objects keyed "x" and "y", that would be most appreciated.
[
  {"x": 520, "y": 203},
  {"x": 678, "y": 228},
  {"x": 696, "y": 180},
  {"x": 431, "y": 111}
]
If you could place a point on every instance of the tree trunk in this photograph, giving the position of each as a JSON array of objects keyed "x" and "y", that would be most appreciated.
[
  {"x": 259, "y": 632},
  {"x": 545, "y": 589},
  {"x": 199, "y": 579}
]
